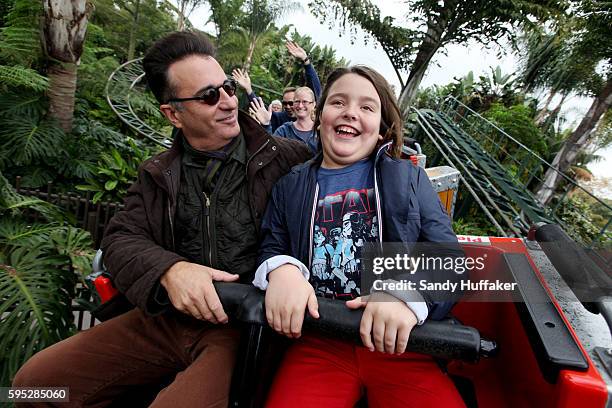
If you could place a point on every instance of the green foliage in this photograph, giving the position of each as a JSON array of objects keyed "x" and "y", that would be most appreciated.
[
  {"x": 20, "y": 36},
  {"x": 517, "y": 121},
  {"x": 116, "y": 17},
  {"x": 473, "y": 225},
  {"x": 583, "y": 218},
  {"x": 25, "y": 140},
  {"x": 18, "y": 76},
  {"x": 433, "y": 25},
  {"x": 224, "y": 14},
  {"x": 98, "y": 61},
  {"x": 37, "y": 278},
  {"x": 114, "y": 174}
]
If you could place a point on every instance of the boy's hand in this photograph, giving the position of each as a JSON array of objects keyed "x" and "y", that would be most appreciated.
[
  {"x": 287, "y": 297},
  {"x": 385, "y": 319}
]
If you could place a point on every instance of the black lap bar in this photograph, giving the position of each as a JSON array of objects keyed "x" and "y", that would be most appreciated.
[{"x": 440, "y": 339}]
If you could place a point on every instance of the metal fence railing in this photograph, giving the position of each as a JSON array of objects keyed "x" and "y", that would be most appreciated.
[{"x": 84, "y": 213}]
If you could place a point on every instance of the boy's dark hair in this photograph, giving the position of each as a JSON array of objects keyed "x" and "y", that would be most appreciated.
[
  {"x": 391, "y": 127},
  {"x": 168, "y": 50}
]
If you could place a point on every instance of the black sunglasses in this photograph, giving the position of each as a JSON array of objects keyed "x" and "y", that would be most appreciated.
[
  {"x": 290, "y": 103},
  {"x": 210, "y": 96}
]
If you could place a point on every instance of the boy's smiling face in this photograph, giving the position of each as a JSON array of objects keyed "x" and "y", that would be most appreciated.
[{"x": 350, "y": 121}]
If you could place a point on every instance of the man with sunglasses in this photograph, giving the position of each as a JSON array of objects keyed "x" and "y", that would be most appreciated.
[{"x": 191, "y": 218}]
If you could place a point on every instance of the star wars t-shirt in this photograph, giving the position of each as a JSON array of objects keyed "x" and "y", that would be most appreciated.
[{"x": 345, "y": 218}]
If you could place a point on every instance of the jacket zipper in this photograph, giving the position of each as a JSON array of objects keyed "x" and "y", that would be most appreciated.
[
  {"x": 170, "y": 217},
  {"x": 257, "y": 151},
  {"x": 377, "y": 196},
  {"x": 378, "y": 210},
  {"x": 247, "y": 176},
  {"x": 312, "y": 219},
  {"x": 207, "y": 218}
]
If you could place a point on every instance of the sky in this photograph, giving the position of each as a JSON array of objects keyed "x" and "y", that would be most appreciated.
[{"x": 458, "y": 61}]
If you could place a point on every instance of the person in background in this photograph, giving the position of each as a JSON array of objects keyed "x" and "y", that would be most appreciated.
[
  {"x": 302, "y": 128},
  {"x": 273, "y": 120},
  {"x": 276, "y": 106}
]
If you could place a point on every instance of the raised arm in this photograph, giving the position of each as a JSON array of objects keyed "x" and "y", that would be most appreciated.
[
  {"x": 243, "y": 79},
  {"x": 312, "y": 79}
]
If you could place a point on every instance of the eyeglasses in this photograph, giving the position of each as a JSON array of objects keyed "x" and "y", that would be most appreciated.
[
  {"x": 211, "y": 95},
  {"x": 287, "y": 103},
  {"x": 302, "y": 102}
]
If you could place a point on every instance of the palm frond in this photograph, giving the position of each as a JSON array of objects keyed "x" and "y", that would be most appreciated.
[
  {"x": 24, "y": 140},
  {"x": 19, "y": 76},
  {"x": 35, "y": 309},
  {"x": 12, "y": 202},
  {"x": 22, "y": 104},
  {"x": 20, "y": 38},
  {"x": 19, "y": 233}
]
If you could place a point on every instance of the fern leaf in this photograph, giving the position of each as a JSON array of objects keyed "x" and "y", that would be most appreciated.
[{"x": 18, "y": 76}]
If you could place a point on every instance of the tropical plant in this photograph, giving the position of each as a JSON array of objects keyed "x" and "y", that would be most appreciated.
[
  {"x": 224, "y": 14},
  {"x": 131, "y": 26},
  {"x": 580, "y": 222},
  {"x": 473, "y": 224},
  {"x": 438, "y": 24},
  {"x": 20, "y": 47},
  {"x": 256, "y": 27},
  {"x": 574, "y": 59},
  {"x": 184, "y": 9},
  {"x": 40, "y": 265},
  {"x": 65, "y": 24},
  {"x": 114, "y": 174}
]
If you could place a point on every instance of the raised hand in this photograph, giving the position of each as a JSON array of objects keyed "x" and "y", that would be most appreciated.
[
  {"x": 191, "y": 291},
  {"x": 258, "y": 108},
  {"x": 297, "y": 51},
  {"x": 287, "y": 297},
  {"x": 243, "y": 79},
  {"x": 386, "y": 320}
]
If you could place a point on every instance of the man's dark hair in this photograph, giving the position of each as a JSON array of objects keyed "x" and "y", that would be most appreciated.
[
  {"x": 288, "y": 89},
  {"x": 168, "y": 50}
]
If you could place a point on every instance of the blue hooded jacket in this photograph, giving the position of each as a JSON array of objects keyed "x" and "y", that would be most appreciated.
[{"x": 409, "y": 210}]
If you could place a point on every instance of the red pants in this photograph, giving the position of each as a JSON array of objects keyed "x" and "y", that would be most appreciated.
[{"x": 320, "y": 372}]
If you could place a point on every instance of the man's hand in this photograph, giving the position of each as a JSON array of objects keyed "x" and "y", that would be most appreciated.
[
  {"x": 297, "y": 51},
  {"x": 387, "y": 320},
  {"x": 190, "y": 289},
  {"x": 243, "y": 79},
  {"x": 258, "y": 109},
  {"x": 287, "y": 297}
]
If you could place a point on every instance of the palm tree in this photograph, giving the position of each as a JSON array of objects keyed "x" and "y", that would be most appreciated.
[
  {"x": 257, "y": 25},
  {"x": 65, "y": 24},
  {"x": 578, "y": 70}
]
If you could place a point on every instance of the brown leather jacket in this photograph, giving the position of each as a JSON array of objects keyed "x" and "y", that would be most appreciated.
[{"x": 138, "y": 244}]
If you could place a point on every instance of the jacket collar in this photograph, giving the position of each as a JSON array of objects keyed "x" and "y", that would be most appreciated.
[
  {"x": 380, "y": 153},
  {"x": 167, "y": 164}
]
